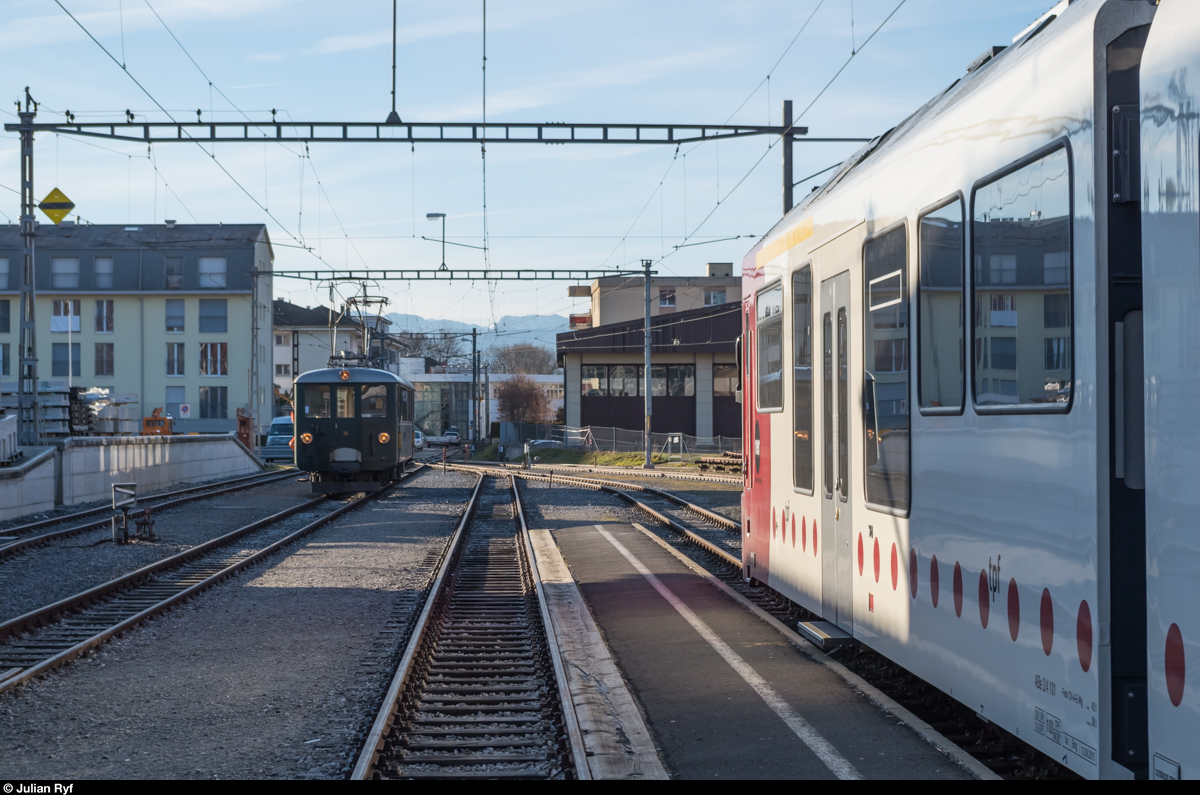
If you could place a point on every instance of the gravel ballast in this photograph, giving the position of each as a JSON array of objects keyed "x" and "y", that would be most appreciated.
[
  {"x": 65, "y": 567},
  {"x": 274, "y": 674}
]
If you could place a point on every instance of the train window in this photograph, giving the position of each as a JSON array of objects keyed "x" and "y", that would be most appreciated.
[
  {"x": 940, "y": 308},
  {"x": 885, "y": 386},
  {"x": 802, "y": 379},
  {"x": 406, "y": 405},
  {"x": 770, "y": 348},
  {"x": 594, "y": 380},
  {"x": 316, "y": 402},
  {"x": 344, "y": 400},
  {"x": 374, "y": 401},
  {"x": 1021, "y": 230}
]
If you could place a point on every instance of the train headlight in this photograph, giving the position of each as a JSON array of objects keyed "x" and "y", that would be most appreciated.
[
  {"x": 344, "y": 375},
  {"x": 306, "y": 438},
  {"x": 384, "y": 438}
]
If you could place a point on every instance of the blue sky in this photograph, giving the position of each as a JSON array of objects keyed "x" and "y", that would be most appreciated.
[{"x": 560, "y": 206}]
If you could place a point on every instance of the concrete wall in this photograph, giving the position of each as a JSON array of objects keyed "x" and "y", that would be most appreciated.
[
  {"x": 616, "y": 299},
  {"x": 29, "y": 487},
  {"x": 89, "y": 466}
]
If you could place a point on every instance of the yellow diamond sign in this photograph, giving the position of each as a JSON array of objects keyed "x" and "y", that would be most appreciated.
[{"x": 56, "y": 205}]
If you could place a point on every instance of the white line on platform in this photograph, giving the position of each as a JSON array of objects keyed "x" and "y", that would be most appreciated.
[{"x": 838, "y": 764}]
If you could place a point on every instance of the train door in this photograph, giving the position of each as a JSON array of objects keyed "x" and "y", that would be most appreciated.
[{"x": 837, "y": 594}]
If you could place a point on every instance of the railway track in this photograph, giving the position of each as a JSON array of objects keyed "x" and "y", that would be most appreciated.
[
  {"x": 51, "y": 636},
  {"x": 666, "y": 473},
  {"x": 22, "y": 538},
  {"x": 476, "y": 694}
]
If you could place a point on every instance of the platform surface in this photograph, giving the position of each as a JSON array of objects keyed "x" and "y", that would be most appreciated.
[{"x": 724, "y": 694}]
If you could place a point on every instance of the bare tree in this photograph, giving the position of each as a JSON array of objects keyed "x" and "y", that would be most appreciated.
[
  {"x": 522, "y": 358},
  {"x": 435, "y": 345},
  {"x": 522, "y": 400}
]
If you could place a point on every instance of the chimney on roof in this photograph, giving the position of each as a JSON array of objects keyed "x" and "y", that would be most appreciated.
[
  {"x": 720, "y": 268},
  {"x": 170, "y": 222}
]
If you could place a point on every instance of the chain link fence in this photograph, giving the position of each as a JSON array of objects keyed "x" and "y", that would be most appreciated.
[{"x": 597, "y": 438}]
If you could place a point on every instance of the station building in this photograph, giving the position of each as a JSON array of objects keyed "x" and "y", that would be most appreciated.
[
  {"x": 175, "y": 314},
  {"x": 693, "y": 373},
  {"x": 615, "y": 299}
]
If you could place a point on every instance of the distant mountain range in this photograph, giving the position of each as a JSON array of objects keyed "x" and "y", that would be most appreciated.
[{"x": 510, "y": 329}]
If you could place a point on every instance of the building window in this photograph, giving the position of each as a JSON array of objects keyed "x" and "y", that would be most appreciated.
[
  {"x": 104, "y": 358},
  {"x": 64, "y": 273},
  {"x": 214, "y": 358},
  {"x": 622, "y": 380},
  {"x": 4, "y": 366},
  {"x": 885, "y": 387},
  {"x": 594, "y": 380},
  {"x": 283, "y": 369},
  {"x": 681, "y": 380},
  {"x": 1022, "y": 222},
  {"x": 175, "y": 316},
  {"x": 658, "y": 381},
  {"x": 1056, "y": 311},
  {"x": 214, "y": 402},
  {"x": 176, "y": 397},
  {"x": 280, "y": 339},
  {"x": 3, "y": 273},
  {"x": 5, "y": 316},
  {"x": 58, "y": 352},
  {"x": 214, "y": 317},
  {"x": 65, "y": 316},
  {"x": 770, "y": 348},
  {"x": 175, "y": 358},
  {"x": 104, "y": 317},
  {"x": 940, "y": 307},
  {"x": 174, "y": 273},
  {"x": 102, "y": 273},
  {"x": 666, "y": 296},
  {"x": 211, "y": 273},
  {"x": 725, "y": 380},
  {"x": 1057, "y": 354},
  {"x": 714, "y": 297}
]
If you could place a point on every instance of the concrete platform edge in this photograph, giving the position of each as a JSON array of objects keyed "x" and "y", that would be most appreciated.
[
  {"x": 872, "y": 693},
  {"x": 618, "y": 743}
]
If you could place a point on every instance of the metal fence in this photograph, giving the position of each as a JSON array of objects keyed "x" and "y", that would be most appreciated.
[{"x": 623, "y": 440}]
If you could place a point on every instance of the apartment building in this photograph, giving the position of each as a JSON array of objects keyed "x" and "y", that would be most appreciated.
[
  {"x": 616, "y": 299},
  {"x": 177, "y": 314}
]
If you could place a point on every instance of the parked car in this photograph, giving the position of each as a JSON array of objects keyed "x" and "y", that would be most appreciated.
[
  {"x": 544, "y": 443},
  {"x": 279, "y": 440},
  {"x": 418, "y": 440}
]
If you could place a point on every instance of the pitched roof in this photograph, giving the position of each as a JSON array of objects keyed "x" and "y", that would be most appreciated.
[
  {"x": 291, "y": 315},
  {"x": 159, "y": 236}
]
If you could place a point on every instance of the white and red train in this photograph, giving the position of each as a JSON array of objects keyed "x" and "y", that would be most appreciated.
[{"x": 971, "y": 370}]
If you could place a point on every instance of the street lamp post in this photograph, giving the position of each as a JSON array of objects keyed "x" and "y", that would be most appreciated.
[{"x": 434, "y": 217}]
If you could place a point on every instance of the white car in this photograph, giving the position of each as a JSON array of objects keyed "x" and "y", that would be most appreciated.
[{"x": 418, "y": 440}]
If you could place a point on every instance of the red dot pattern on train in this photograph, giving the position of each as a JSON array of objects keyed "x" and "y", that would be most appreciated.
[
  {"x": 912, "y": 573},
  {"x": 877, "y": 560},
  {"x": 803, "y": 534},
  {"x": 1047, "y": 621},
  {"x": 934, "y": 582},
  {"x": 895, "y": 567},
  {"x": 985, "y": 603},
  {"x": 958, "y": 593},
  {"x": 1083, "y": 635},
  {"x": 1175, "y": 665},
  {"x": 860, "y": 555},
  {"x": 1014, "y": 610}
]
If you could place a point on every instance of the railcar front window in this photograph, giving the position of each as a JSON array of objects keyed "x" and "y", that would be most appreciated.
[
  {"x": 316, "y": 402},
  {"x": 802, "y": 379},
  {"x": 770, "y": 348},
  {"x": 374, "y": 401},
  {"x": 940, "y": 308},
  {"x": 1021, "y": 227},
  {"x": 344, "y": 397}
]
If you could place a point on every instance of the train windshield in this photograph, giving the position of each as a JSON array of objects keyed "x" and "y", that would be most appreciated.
[
  {"x": 316, "y": 402},
  {"x": 344, "y": 396},
  {"x": 374, "y": 401}
]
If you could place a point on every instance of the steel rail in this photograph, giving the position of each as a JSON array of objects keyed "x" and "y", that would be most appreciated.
[
  {"x": 574, "y": 731},
  {"x": 665, "y": 474},
  {"x": 76, "y": 650},
  {"x": 211, "y": 490},
  {"x": 387, "y": 711}
]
